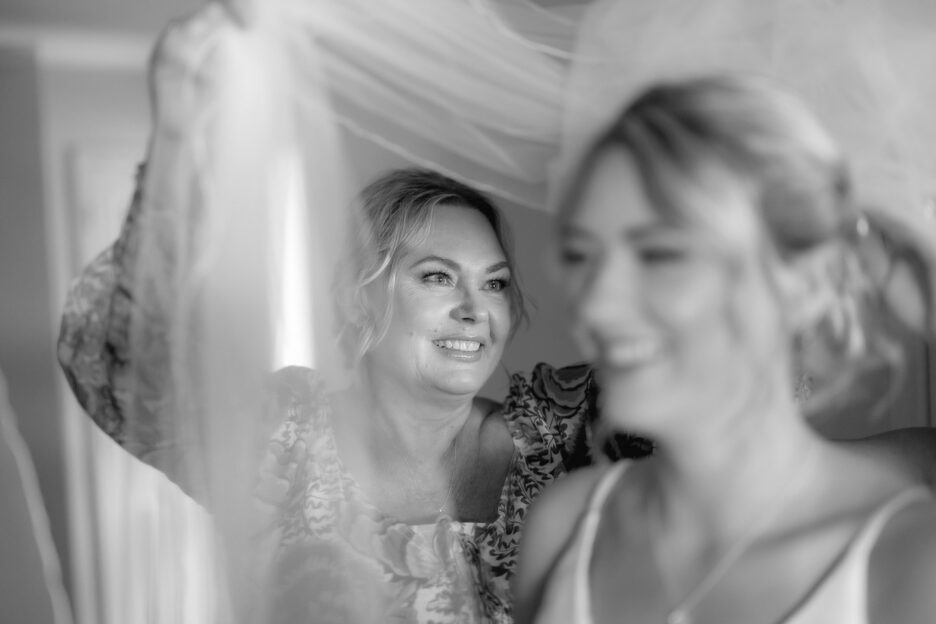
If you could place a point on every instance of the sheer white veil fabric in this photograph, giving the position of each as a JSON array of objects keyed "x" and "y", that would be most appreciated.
[
  {"x": 266, "y": 125},
  {"x": 862, "y": 65}
]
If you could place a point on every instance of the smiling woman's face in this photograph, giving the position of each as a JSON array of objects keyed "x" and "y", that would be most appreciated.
[
  {"x": 658, "y": 301},
  {"x": 450, "y": 315}
]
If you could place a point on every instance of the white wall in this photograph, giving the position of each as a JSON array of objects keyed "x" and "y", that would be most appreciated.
[{"x": 26, "y": 348}]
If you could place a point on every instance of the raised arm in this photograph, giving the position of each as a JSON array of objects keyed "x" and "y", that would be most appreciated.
[{"x": 114, "y": 345}]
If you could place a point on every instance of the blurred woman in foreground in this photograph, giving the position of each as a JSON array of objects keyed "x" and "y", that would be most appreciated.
[{"x": 707, "y": 234}]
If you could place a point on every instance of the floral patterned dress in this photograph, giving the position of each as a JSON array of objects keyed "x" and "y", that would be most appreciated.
[
  {"x": 338, "y": 557},
  {"x": 336, "y": 547}
]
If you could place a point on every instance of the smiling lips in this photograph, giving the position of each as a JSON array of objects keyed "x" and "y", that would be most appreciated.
[
  {"x": 461, "y": 346},
  {"x": 630, "y": 353}
]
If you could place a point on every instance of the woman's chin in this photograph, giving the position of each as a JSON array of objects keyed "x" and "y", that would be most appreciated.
[
  {"x": 463, "y": 383},
  {"x": 629, "y": 408}
]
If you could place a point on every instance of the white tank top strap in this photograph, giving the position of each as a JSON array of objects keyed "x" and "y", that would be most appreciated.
[
  {"x": 840, "y": 594},
  {"x": 589, "y": 528},
  {"x": 867, "y": 537}
]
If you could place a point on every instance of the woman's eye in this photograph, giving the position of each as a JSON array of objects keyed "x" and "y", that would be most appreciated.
[
  {"x": 437, "y": 277},
  {"x": 498, "y": 285},
  {"x": 661, "y": 255},
  {"x": 571, "y": 256}
]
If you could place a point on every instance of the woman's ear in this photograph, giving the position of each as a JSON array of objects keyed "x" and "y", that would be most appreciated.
[
  {"x": 899, "y": 254},
  {"x": 807, "y": 284}
]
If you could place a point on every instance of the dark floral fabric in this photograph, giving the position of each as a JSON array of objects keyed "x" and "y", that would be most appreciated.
[
  {"x": 343, "y": 560},
  {"x": 338, "y": 557}
]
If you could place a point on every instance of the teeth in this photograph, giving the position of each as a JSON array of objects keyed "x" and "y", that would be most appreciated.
[{"x": 458, "y": 345}]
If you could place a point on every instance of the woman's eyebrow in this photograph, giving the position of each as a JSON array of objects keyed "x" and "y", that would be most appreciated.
[
  {"x": 649, "y": 231},
  {"x": 572, "y": 230},
  {"x": 632, "y": 233},
  {"x": 433, "y": 258},
  {"x": 454, "y": 266}
]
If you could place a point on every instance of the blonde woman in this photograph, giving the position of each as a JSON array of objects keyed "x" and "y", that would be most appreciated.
[{"x": 708, "y": 231}]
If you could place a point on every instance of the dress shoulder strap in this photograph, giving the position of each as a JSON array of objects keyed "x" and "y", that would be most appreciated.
[
  {"x": 840, "y": 594},
  {"x": 867, "y": 537},
  {"x": 588, "y": 530}
]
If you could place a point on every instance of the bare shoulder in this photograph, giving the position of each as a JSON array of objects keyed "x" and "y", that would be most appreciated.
[
  {"x": 487, "y": 406},
  {"x": 902, "y": 568},
  {"x": 553, "y": 515},
  {"x": 548, "y": 528},
  {"x": 911, "y": 451},
  {"x": 496, "y": 441}
]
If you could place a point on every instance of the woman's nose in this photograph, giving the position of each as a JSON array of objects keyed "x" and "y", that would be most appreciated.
[
  {"x": 468, "y": 308},
  {"x": 608, "y": 297}
]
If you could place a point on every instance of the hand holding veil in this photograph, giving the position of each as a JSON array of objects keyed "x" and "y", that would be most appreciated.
[
  {"x": 264, "y": 127},
  {"x": 269, "y": 115}
]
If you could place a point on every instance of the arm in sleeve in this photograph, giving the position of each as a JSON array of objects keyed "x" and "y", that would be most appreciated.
[
  {"x": 115, "y": 343},
  {"x": 557, "y": 409}
]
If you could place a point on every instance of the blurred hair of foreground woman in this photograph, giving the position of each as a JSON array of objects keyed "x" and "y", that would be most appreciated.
[{"x": 706, "y": 234}]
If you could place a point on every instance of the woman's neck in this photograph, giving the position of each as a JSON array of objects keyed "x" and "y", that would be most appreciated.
[
  {"x": 416, "y": 458},
  {"x": 720, "y": 475},
  {"x": 420, "y": 425}
]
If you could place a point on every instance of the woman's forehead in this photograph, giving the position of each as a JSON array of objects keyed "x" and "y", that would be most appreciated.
[
  {"x": 611, "y": 197},
  {"x": 459, "y": 233},
  {"x": 616, "y": 194}
]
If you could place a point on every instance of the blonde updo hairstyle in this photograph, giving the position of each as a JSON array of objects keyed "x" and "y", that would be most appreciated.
[
  {"x": 686, "y": 137},
  {"x": 389, "y": 216}
]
